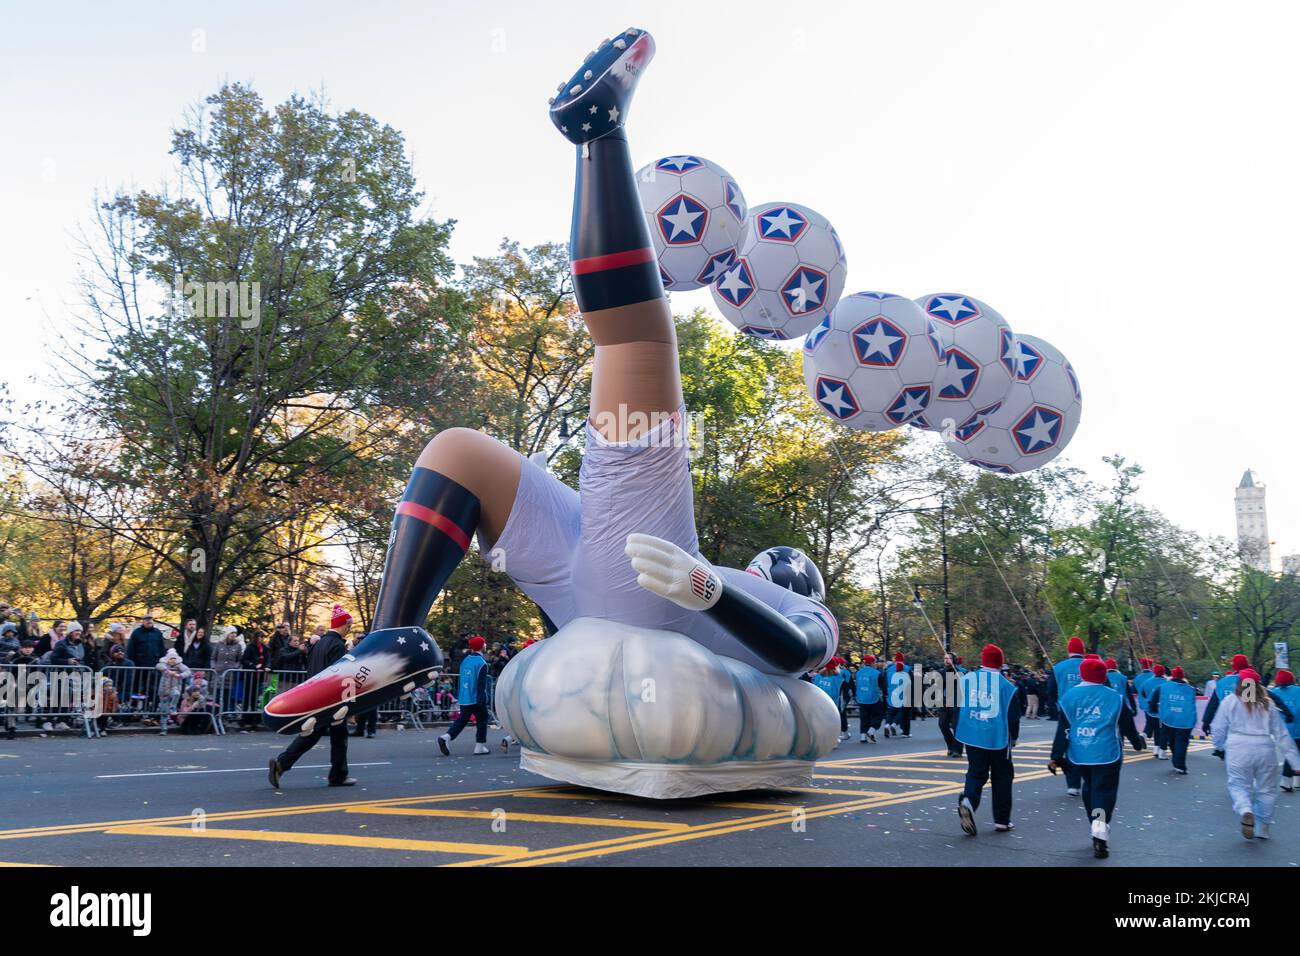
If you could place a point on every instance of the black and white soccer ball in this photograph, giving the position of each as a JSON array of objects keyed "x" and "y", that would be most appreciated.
[{"x": 790, "y": 568}]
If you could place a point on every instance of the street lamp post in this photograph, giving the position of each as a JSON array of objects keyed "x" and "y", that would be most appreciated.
[{"x": 943, "y": 555}]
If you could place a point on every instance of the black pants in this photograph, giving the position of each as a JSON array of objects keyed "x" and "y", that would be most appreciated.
[
  {"x": 1176, "y": 740},
  {"x": 1073, "y": 778},
  {"x": 479, "y": 713},
  {"x": 870, "y": 716},
  {"x": 947, "y": 717},
  {"x": 980, "y": 765},
  {"x": 902, "y": 718},
  {"x": 368, "y": 721},
  {"x": 338, "y": 749},
  {"x": 844, "y": 717},
  {"x": 1100, "y": 788},
  {"x": 1152, "y": 730}
]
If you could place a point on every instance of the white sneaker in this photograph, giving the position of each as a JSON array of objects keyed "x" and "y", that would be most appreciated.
[
  {"x": 1288, "y": 787},
  {"x": 871, "y": 735},
  {"x": 443, "y": 741},
  {"x": 47, "y": 726},
  {"x": 1261, "y": 831},
  {"x": 1100, "y": 839},
  {"x": 862, "y": 739},
  {"x": 481, "y": 749},
  {"x": 1072, "y": 791}
]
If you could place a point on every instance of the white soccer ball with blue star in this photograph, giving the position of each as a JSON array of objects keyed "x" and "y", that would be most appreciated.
[
  {"x": 976, "y": 373},
  {"x": 872, "y": 362},
  {"x": 696, "y": 213},
  {"x": 788, "y": 274},
  {"x": 1033, "y": 422}
]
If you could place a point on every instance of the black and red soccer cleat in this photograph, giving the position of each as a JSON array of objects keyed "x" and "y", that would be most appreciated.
[
  {"x": 389, "y": 663},
  {"x": 596, "y": 99}
]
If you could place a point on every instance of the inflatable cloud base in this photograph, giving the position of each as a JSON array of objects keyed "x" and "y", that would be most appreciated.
[{"x": 652, "y": 713}]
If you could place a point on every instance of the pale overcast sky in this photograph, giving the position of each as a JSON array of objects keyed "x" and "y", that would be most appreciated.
[{"x": 1119, "y": 178}]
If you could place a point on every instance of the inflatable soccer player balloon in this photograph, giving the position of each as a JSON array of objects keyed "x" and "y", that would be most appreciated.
[
  {"x": 788, "y": 274},
  {"x": 668, "y": 676},
  {"x": 696, "y": 213},
  {"x": 873, "y": 361}
]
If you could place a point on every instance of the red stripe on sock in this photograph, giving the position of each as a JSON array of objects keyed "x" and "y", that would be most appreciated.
[
  {"x": 615, "y": 260},
  {"x": 429, "y": 516}
]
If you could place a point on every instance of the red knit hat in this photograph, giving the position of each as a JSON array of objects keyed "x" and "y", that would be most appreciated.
[
  {"x": 1111, "y": 665},
  {"x": 339, "y": 617},
  {"x": 1284, "y": 678},
  {"x": 869, "y": 659},
  {"x": 1145, "y": 662},
  {"x": 991, "y": 656},
  {"x": 1159, "y": 670},
  {"x": 1249, "y": 673},
  {"x": 1092, "y": 657},
  {"x": 1240, "y": 662},
  {"x": 477, "y": 643},
  {"x": 1094, "y": 672},
  {"x": 898, "y": 656},
  {"x": 1074, "y": 646},
  {"x": 1177, "y": 673},
  {"x": 530, "y": 642}
]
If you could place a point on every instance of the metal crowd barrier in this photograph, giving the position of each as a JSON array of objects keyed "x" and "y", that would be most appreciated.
[
  {"x": 240, "y": 694},
  {"x": 42, "y": 694},
  {"x": 149, "y": 697}
]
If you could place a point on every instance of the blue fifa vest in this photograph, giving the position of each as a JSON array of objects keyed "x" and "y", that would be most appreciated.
[
  {"x": 898, "y": 679},
  {"x": 1177, "y": 705},
  {"x": 982, "y": 717},
  {"x": 1290, "y": 695},
  {"x": 1117, "y": 680},
  {"x": 1066, "y": 673},
  {"x": 1139, "y": 679},
  {"x": 467, "y": 690},
  {"x": 831, "y": 684},
  {"x": 1226, "y": 685},
  {"x": 1093, "y": 711},
  {"x": 868, "y": 685},
  {"x": 1149, "y": 687}
]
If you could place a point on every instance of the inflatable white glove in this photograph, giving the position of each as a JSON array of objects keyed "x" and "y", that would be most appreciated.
[{"x": 665, "y": 569}]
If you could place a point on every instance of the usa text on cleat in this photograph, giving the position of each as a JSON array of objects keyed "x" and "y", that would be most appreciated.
[{"x": 606, "y": 81}]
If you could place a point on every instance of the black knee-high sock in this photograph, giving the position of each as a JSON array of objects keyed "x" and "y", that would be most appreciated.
[
  {"x": 435, "y": 521},
  {"x": 609, "y": 243}
]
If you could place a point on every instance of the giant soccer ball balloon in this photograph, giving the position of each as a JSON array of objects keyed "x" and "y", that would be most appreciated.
[
  {"x": 788, "y": 274},
  {"x": 696, "y": 214},
  {"x": 1033, "y": 422},
  {"x": 976, "y": 373},
  {"x": 872, "y": 362}
]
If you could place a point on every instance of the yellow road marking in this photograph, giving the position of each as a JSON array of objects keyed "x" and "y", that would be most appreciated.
[
  {"x": 327, "y": 839},
  {"x": 103, "y": 825},
  {"x": 916, "y": 781},
  {"x": 864, "y": 793},
  {"x": 514, "y": 815},
  {"x": 566, "y": 854}
]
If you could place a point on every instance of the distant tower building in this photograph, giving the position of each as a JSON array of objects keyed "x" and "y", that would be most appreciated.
[
  {"x": 1252, "y": 524},
  {"x": 1291, "y": 564}
]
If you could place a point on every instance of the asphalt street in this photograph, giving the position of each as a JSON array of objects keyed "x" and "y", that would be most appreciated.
[{"x": 146, "y": 800}]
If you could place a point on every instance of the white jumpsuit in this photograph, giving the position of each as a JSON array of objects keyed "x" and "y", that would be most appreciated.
[{"x": 1250, "y": 738}]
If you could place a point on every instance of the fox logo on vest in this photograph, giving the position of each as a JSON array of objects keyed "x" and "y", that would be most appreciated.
[{"x": 76, "y": 909}]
